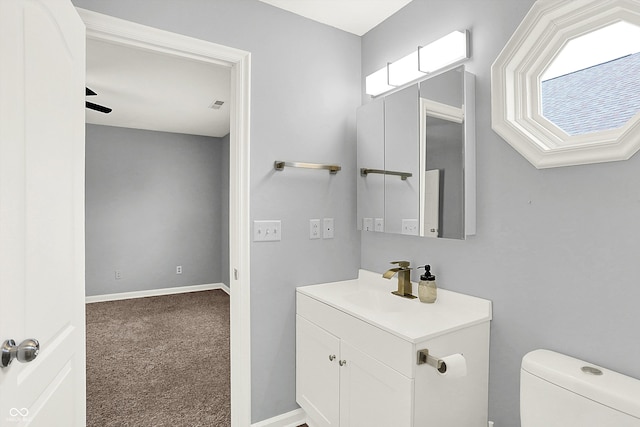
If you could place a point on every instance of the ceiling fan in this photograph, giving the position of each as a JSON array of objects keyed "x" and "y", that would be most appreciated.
[{"x": 96, "y": 107}]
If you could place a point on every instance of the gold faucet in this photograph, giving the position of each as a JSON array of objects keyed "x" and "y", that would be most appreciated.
[{"x": 404, "y": 278}]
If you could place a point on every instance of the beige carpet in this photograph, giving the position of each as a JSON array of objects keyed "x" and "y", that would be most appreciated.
[{"x": 159, "y": 361}]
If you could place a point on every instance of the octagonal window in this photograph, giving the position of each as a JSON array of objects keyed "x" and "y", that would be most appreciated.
[
  {"x": 565, "y": 88},
  {"x": 593, "y": 83}
]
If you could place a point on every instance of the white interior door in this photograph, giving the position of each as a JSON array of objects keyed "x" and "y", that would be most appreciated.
[{"x": 42, "y": 61}]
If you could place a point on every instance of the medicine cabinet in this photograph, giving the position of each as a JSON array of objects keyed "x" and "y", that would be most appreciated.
[{"x": 416, "y": 159}]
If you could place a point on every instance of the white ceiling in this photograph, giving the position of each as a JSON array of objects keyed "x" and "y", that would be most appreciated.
[
  {"x": 353, "y": 16},
  {"x": 148, "y": 90}
]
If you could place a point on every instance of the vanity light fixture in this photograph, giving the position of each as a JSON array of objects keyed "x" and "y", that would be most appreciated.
[
  {"x": 378, "y": 82},
  {"x": 405, "y": 70},
  {"x": 446, "y": 51},
  {"x": 450, "y": 49}
]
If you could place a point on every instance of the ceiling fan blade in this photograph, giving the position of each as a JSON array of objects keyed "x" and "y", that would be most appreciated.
[
  {"x": 89, "y": 92},
  {"x": 97, "y": 107}
]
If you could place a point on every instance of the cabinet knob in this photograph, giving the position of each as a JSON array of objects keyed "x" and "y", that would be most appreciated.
[
  {"x": 343, "y": 362},
  {"x": 332, "y": 357}
]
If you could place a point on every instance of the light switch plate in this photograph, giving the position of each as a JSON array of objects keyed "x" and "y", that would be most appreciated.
[
  {"x": 267, "y": 231},
  {"x": 410, "y": 226},
  {"x": 367, "y": 224}
]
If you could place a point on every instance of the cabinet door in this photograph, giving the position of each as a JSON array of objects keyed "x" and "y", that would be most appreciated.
[
  {"x": 371, "y": 393},
  {"x": 401, "y": 154},
  {"x": 370, "y": 155},
  {"x": 317, "y": 373}
]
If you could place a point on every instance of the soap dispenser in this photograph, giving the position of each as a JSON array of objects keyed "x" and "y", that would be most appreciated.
[{"x": 427, "y": 289}]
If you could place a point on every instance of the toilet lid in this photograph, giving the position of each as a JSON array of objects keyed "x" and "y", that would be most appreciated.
[{"x": 602, "y": 385}]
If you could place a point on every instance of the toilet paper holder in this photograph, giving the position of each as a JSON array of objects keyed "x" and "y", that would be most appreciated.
[{"x": 425, "y": 358}]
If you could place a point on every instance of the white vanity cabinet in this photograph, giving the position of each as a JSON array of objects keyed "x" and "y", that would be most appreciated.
[
  {"x": 356, "y": 356},
  {"x": 339, "y": 385},
  {"x": 317, "y": 372}
]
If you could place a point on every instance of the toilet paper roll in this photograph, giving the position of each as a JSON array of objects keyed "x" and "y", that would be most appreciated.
[{"x": 453, "y": 366}]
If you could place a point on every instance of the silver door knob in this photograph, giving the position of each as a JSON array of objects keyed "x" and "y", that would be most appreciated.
[{"x": 25, "y": 352}]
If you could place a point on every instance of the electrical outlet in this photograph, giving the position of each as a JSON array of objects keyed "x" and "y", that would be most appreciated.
[
  {"x": 118, "y": 274},
  {"x": 267, "y": 231},
  {"x": 378, "y": 224},
  {"x": 178, "y": 269},
  {"x": 327, "y": 228},
  {"x": 314, "y": 229}
]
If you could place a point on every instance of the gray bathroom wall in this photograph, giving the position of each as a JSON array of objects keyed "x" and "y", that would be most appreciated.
[
  {"x": 305, "y": 88},
  {"x": 154, "y": 200},
  {"x": 556, "y": 250}
]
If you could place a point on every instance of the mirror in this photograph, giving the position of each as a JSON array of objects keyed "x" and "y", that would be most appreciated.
[
  {"x": 442, "y": 118},
  {"x": 401, "y": 163},
  {"x": 370, "y": 155},
  {"x": 416, "y": 159}
]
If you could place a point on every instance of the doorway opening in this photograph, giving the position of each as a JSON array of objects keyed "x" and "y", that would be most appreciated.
[{"x": 116, "y": 31}]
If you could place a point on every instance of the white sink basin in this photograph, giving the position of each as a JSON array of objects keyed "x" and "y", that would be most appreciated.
[
  {"x": 376, "y": 301},
  {"x": 369, "y": 298}
]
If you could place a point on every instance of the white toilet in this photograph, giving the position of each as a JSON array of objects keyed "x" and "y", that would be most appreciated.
[{"x": 560, "y": 391}]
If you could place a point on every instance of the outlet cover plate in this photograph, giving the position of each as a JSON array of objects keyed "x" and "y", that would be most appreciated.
[{"x": 314, "y": 229}]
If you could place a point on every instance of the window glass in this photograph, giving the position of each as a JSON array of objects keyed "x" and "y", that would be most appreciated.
[{"x": 593, "y": 83}]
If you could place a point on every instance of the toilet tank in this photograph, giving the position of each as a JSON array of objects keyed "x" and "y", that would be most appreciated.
[{"x": 560, "y": 391}]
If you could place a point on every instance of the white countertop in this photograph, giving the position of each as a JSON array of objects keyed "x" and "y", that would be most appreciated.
[{"x": 369, "y": 298}]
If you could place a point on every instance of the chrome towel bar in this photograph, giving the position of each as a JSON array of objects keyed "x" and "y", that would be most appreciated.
[
  {"x": 402, "y": 175},
  {"x": 280, "y": 165}
]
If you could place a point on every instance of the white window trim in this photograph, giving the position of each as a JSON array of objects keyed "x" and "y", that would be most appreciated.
[{"x": 515, "y": 87}]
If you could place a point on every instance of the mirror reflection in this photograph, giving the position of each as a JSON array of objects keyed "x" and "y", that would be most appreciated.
[
  {"x": 416, "y": 159},
  {"x": 401, "y": 125},
  {"x": 442, "y": 155},
  {"x": 370, "y": 156},
  {"x": 592, "y": 84}
]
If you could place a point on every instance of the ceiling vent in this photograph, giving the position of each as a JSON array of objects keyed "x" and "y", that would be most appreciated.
[{"x": 216, "y": 105}]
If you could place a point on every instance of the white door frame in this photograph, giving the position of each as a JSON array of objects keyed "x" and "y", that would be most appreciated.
[{"x": 107, "y": 28}]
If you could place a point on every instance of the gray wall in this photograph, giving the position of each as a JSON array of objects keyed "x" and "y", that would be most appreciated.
[
  {"x": 556, "y": 250},
  {"x": 154, "y": 200},
  {"x": 305, "y": 89}
]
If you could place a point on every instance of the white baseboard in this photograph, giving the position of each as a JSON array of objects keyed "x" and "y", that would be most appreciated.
[
  {"x": 290, "y": 419},
  {"x": 157, "y": 292}
]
